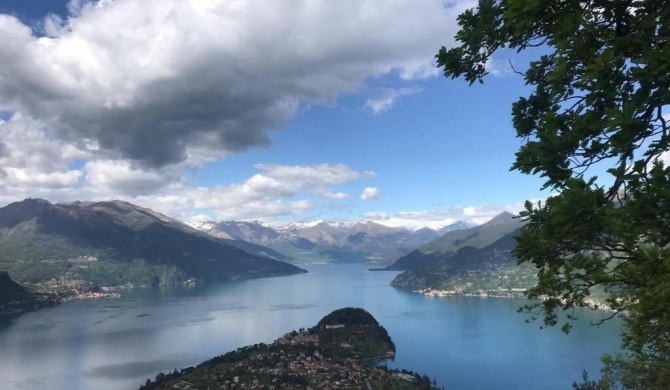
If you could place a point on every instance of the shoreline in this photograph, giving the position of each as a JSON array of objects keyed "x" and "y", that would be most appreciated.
[
  {"x": 434, "y": 293},
  {"x": 46, "y": 299},
  {"x": 591, "y": 303}
]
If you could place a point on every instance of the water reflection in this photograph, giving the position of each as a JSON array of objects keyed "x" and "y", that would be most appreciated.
[{"x": 465, "y": 343}]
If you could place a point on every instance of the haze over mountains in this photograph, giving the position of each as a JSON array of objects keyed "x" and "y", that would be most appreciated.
[
  {"x": 336, "y": 242},
  {"x": 81, "y": 246}
]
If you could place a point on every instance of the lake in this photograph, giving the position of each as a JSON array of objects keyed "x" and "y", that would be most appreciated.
[{"x": 464, "y": 343}]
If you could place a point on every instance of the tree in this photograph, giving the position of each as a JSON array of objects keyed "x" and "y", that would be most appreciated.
[{"x": 601, "y": 90}]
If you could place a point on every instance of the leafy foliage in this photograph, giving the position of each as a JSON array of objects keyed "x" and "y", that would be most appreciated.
[
  {"x": 601, "y": 91},
  {"x": 348, "y": 316},
  {"x": 358, "y": 329}
]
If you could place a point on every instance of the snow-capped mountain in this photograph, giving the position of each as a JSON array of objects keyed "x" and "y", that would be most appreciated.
[
  {"x": 333, "y": 241},
  {"x": 302, "y": 225}
]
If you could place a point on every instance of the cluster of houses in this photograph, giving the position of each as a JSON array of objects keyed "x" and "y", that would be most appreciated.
[{"x": 292, "y": 362}]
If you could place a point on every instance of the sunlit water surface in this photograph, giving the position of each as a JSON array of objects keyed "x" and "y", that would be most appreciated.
[{"x": 464, "y": 343}]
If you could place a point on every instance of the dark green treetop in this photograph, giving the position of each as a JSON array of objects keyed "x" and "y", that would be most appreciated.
[{"x": 601, "y": 95}]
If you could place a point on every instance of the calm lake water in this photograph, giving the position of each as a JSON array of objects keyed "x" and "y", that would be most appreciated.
[{"x": 465, "y": 343}]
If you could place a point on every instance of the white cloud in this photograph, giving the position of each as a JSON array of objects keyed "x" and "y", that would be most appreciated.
[
  {"x": 268, "y": 193},
  {"x": 388, "y": 98},
  {"x": 120, "y": 176},
  {"x": 436, "y": 219},
  {"x": 33, "y": 165},
  {"x": 160, "y": 82},
  {"x": 371, "y": 193},
  {"x": 55, "y": 180},
  {"x": 324, "y": 193},
  {"x": 274, "y": 192},
  {"x": 377, "y": 216},
  {"x": 264, "y": 210},
  {"x": 498, "y": 68},
  {"x": 194, "y": 220},
  {"x": 30, "y": 160},
  {"x": 122, "y": 97}
]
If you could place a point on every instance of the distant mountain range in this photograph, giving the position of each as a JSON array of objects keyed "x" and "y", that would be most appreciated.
[
  {"x": 82, "y": 246},
  {"x": 333, "y": 242},
  {"x": 73, "y": 249}
]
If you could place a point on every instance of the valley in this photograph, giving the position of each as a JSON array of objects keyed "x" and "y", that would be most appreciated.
[{"x": 98, "y": 250}]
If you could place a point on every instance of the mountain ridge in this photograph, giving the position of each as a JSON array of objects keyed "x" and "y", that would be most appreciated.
[
  {"x": 329, "y": 241},
  {"x": 91, "y": 245},
  {"x": 466, "y": 261},
  {"x": 431, "y": 253}
]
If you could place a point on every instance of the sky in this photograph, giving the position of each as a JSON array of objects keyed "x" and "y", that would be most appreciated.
[{"x": 275, "y": 111}]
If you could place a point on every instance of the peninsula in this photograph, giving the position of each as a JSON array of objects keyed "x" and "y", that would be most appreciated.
[{"x": 341, "y": 352}]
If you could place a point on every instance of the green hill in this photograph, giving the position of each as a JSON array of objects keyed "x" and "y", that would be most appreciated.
[
  {"x": 15, "y": 298},
  {"x": 447, "y": 245},
  {"x": 492, "y": 267},
  {"x": 340, "y": 352},
  {"x": 11, "y": 292}
]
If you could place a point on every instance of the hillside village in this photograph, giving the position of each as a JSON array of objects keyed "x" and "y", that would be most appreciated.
[{"x": 328, "y": 356}]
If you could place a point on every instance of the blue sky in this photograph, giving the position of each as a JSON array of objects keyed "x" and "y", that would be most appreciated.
[
  {"x": 448, "y": 145},
  {"x": 440, "y": 152}
]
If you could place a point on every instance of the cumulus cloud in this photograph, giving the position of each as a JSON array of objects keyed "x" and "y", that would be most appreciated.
[
  {"x": 160, "y": 82},
  {"x": 324, "y": 193},
  {"x": 388, "y": 98},
  {"x": 268, "y": 193},
  {"x": 436, "y": 219},
  {"x": 120, "y": 176},
  {"x": 30, "y": 160},
  {"x": 34, "y": 165},
  {"x": 371, "y": 193},
  {"x": 276, "y": 191},
  {"x": 498, "y": 68}
]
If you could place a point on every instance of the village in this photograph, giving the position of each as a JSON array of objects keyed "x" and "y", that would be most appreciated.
[{"x": 295, "y": 361}]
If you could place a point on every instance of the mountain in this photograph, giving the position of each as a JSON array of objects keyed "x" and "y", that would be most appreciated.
[
  {"x": 258, "y": 250},
  {"x": 340, "y": 352},
  {"x": 250, "y": 232},
  {"x": 458, "y": 225},
  {"x": 82, "y": 246},
  {"x": 325, "y": 241},
  {"x": 468, "y": 261},
  {"x": 433, "y": 252}
]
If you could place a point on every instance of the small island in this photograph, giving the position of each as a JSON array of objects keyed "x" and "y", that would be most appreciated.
[{"x": 341, "y": 352}]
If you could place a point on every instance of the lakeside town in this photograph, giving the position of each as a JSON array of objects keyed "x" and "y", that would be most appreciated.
[
  {"x": 329, "y": 356},
  {"x": 499, "y": 293}
]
